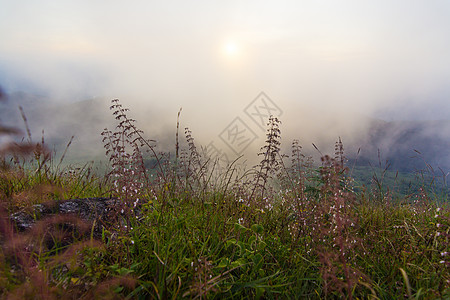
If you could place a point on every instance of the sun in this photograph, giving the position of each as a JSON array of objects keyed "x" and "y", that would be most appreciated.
[
  {"x": 232, "y": 52},
  {"x": 231, "y": 49}
]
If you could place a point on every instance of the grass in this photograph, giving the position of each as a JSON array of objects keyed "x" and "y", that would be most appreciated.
[{"x": 190, "y": 229}]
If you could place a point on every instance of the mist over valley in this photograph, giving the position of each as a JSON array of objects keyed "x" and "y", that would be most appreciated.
[{"x": 405, "y": 145}]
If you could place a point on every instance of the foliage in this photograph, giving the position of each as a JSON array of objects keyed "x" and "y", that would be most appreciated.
[{"x": 284, "y": 229}]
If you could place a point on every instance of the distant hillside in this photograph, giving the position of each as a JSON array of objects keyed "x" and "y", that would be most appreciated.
[{"x": 407, "y": 145}]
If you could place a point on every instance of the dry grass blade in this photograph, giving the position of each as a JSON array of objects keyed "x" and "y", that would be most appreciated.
[
  {"x": 408, "y": 286},
  {"x": 25, "y": 121}
]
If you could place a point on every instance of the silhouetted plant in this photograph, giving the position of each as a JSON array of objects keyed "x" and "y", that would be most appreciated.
[
  {"x": 270, "y": 157},
  {"x": 129, "y": 174}
]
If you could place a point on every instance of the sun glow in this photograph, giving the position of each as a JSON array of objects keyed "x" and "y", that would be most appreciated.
[{"x": 231, "y": 49}]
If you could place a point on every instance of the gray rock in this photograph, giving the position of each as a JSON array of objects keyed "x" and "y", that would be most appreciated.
[{"x": 99, "y": 210}]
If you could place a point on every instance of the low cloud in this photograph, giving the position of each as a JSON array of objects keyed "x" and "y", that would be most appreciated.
[{"x": 331, "y": 68}]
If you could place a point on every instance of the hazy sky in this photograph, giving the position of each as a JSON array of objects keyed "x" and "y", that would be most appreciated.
[{"x": 319, "y": 61}]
